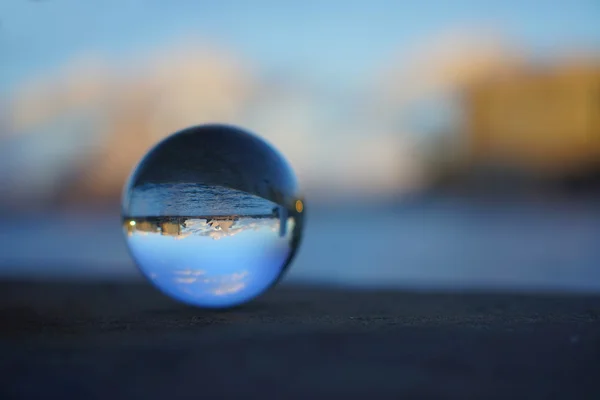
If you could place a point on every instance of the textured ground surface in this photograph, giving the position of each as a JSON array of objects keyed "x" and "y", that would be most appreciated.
[{"x": 124, "y": 341}]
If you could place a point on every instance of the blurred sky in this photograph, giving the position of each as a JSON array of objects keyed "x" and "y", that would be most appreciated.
[
  {"x": 332, "y": 42},
  {"x": 351, "y": 72}
]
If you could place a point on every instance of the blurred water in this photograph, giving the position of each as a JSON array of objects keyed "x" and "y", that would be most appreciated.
[
  {"x": 191, "y": 199},
  {"x": 443, "y": 243}
]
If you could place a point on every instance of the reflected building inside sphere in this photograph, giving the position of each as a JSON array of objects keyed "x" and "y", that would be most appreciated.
[{"x": 211, "y": 216}]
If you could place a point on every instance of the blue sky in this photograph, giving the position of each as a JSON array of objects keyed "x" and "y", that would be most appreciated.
[{"x": 338, "y": 42}]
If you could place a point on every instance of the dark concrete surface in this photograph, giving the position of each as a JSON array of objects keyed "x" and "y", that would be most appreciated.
[{"x": 112, "y": 341}]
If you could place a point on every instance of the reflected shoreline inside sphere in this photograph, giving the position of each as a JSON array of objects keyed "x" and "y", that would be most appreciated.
[{"x": 180, "y": 227}]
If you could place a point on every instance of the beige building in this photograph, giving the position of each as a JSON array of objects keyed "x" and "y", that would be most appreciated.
[
  {"x": 145, "y": 226},
  {"x": 170, "y": 228},
  {"x": 544, "y": 122}
]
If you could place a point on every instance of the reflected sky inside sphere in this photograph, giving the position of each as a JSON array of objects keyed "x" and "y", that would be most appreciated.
[{"x": 213, "y": 263}]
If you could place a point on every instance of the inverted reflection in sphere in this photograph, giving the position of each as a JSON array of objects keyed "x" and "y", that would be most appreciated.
[{"x": 212, "y": 216}]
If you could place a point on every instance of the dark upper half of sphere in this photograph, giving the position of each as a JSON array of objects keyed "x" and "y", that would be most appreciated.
[{"x": 219, "y": 155}]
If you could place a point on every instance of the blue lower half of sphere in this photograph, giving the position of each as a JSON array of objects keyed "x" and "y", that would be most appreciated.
[{"x": 211, "y": 262}]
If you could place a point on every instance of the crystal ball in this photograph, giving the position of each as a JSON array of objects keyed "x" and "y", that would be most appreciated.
[{"x": 212, "y": 216}]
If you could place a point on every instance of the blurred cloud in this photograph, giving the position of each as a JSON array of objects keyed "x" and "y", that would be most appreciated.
[
  {"x": 219, "y": 285},
  {"x": 194, "y": 272},
  {"x": 135, "y": 105},
  {"x": 185, "y": 280},
  {"x": 229, "y": 289},
  {"x": 84, "y": 83}
]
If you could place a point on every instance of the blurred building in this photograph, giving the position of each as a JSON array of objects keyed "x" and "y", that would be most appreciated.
[
  {"x": 146, "y": 226},
  {"x": 533, "y": 124},
  {"x": 170, "y": 228}
]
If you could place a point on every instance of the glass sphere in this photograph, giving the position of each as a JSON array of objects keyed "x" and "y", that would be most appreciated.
[{"x": 212, "y": 216}]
